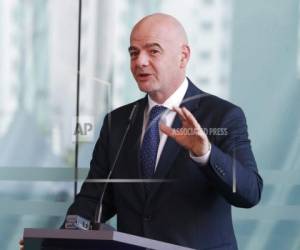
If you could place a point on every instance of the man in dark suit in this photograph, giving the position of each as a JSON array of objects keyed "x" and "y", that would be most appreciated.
[{"x": 191, "y": 148}]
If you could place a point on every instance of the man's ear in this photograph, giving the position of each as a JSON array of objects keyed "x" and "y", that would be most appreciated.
[{"x": 185, "y": 55}]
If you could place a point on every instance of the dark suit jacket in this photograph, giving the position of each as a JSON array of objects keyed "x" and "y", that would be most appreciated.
[{"x": 194, "y": 210}]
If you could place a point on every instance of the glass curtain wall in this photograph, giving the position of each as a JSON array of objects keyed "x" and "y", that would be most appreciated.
[{"x": 244, "y": 51}]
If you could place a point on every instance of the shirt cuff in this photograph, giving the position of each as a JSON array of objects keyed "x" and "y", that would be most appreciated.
[{"x": 202, "y": 160}]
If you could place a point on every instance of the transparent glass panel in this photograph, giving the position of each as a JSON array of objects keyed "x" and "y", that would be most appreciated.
[{"x": 244, "y": 51}]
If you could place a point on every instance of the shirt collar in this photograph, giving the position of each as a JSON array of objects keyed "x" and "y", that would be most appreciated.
[{"x": 174, "y": 100}]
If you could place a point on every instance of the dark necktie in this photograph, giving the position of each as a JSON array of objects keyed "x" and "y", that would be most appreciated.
[{"x": 151, "y": 142}]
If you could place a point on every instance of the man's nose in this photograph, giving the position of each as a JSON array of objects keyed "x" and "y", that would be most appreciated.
[{"x": 142, "y": 60}]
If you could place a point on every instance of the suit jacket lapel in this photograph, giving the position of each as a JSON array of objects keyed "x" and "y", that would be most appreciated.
[
  {"x": 133, "y": 148},
  {"x": 171, "y": 148}
]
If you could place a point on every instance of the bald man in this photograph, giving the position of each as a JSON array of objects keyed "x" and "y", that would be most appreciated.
[{"x": 189, "y": 150}]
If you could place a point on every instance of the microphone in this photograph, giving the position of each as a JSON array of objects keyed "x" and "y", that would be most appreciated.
[
  {"x": 77, "y": 222},
  {"x": 96, "y": 225}
]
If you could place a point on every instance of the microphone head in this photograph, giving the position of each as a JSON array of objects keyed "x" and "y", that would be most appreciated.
[
  {"x": 77, "y": 222},
  {"x": 133, "y": 113}
]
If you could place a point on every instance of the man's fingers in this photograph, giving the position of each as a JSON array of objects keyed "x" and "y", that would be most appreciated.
[
  {"x": 180, "y": 113},
  {"x": 184, "y": 119},
  {"x": 189, "y": 116},
  {"x": 21, "y": 243},
  {"x": 167, "y": 130},
  {"x": 191, "y": 119}
]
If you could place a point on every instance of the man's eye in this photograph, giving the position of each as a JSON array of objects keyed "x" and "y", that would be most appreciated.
[
  {"x": 154, "y": 51},
  {"x": 133, "y": 54}
]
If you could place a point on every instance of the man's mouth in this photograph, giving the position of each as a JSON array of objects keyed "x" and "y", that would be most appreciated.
[{"x": 143, "y": 75}]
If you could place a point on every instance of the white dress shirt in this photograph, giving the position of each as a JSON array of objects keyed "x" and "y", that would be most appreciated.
[{"x": 167, "y": 118}]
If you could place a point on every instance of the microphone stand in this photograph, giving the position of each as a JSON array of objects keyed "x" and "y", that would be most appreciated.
[{"x": 97, "y": 225}]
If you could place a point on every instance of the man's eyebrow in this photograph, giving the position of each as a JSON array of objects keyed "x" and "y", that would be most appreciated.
[
  {"x": 132, "y": 48},
  {"x": 148, "y": 45}
]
